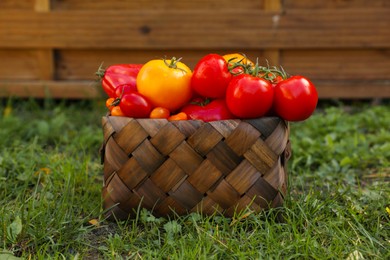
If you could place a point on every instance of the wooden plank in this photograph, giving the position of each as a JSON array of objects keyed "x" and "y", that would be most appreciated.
[
  {"x": 82, "y": 64},
  {"x": 89, "y": 89},
  {"x": 16, "y": 5},
  {"x": 335, "y": 4},
  {"x": 357, "y": 89},
  {"x": 19, "y": 64},
  {"x": 317, "y": 64},
  {"x": 194, "y": 29},
  {"x": 273, "y": 5},
  {"x": 50, "y": 89},
  {"x": 46, "y": 65},
  {"x": 42, "y": 5},
  {"x": 45, "y": 56},
  {"x": 273, "y": 55},
  {"x": 338, "y": 64},
  {"x": 153, "y": 4}
]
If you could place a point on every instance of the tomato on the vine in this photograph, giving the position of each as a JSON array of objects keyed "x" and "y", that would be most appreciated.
[
  {"x": 211, "y": 76},
  {"x": 134, "y": 104},
  {"x": 295, "y": 98},
  {"x": 118, "y": 75},
  {"x": 237, "y": 62},
  {"x": 166, "y": 83},
  {"x": 277, "y": 79},
  {"x": 249, "y": 96},
  {"x": 210, "y": 111},
  {"x": 237, "y": 57}
]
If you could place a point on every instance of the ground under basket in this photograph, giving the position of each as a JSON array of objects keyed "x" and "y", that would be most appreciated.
[{"x": 179, "y": 167}]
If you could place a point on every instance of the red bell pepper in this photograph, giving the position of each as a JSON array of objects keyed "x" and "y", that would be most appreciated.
[
  {"x": 119, "y": 75},
  {"x": 208, "y": 110}
]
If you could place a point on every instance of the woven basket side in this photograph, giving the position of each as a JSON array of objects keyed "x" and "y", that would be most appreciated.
[
  {"x": 188, "y": 166},
  {"x": 266, "y": 126}
]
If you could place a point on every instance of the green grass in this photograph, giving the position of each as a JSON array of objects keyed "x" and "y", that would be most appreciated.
[{"x": 51, "y": 178}]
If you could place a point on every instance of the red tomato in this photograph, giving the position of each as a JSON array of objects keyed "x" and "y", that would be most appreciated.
[
  {"x": 249, "y": 97},
  {"x": 211, "y": 76},
  {"x": 213, "y": 111},
  {"x": 123, "y": 89},
  {"x": 117, "y": 75},
  {"x": 133, "y": 104},
  {"x": 295, "y": 98}
]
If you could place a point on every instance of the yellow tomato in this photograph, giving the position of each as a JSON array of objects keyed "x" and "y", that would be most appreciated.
[
  {"x": 165, "y": 83},
  {"x": 237, "y": 57}
]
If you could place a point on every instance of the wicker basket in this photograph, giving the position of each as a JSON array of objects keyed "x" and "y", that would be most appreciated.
[{"x": 178, "y": 167}]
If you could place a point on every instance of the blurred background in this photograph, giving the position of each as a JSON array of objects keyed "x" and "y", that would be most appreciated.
[{"x": 52, "y": 48}]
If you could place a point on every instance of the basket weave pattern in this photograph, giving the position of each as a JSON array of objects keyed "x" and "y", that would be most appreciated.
[{"x": 193, "y": 166}]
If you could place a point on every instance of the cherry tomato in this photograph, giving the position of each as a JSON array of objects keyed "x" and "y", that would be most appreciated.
[
  {"x": 117, "y": 75},
  {"x": 212, "y": 111},
  {"x": 211, "y": 76},
  {"x": 116, "y": 111},
  {"x": 165, "y": 83},
  {"x": 178, "y": 116},
  {"x": 295, "y": 98},
  {"x": 249, "y": 96},
  {"x": 110, "y": 103},
  {"x": 134, "y": 104},
  {"x": 160, "y": 112}
]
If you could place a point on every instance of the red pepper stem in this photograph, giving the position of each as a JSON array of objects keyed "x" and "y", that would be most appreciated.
[{"x": 100, "y": 72}]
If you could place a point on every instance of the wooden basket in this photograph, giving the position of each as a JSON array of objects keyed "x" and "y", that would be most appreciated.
[{"x": 178, "y": 167}]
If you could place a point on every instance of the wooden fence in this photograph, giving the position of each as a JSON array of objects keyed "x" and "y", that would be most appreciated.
[{"x": 52, "y": 48}]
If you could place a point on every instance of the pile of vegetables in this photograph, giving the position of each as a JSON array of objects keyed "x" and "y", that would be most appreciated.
[{"x": 219, "y": 87}]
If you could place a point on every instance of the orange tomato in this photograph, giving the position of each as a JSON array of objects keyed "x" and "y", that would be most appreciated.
[
  {"x": 165, "y": 83},
  {"x": 178, "y": 116},
  {"x": 160, "y": 112},
  {"x": 116, "y": 111}
]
